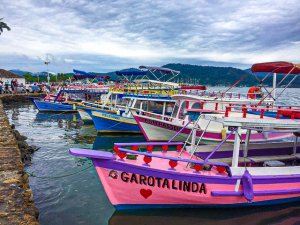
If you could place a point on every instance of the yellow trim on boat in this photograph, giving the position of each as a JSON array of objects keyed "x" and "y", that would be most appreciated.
[{"x": 109, "y": 118}]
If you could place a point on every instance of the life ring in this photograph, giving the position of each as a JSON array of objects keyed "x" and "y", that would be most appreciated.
[{"x": 254, "y": 92}]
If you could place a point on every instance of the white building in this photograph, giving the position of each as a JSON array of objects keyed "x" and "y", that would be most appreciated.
[{"x": 7, "y": 75}]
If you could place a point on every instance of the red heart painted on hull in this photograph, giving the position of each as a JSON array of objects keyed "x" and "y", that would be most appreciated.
[
  {"x": 173, "y": 164},
  {"x": 147, "y": 159},
  {"x": 122, "y": 155},
  {"x": 146, "y": 193},
  {"x": 197, "y": 167}
]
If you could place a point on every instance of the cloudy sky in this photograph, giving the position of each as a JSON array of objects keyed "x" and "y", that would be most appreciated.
[{"x": 108, "y": 35}]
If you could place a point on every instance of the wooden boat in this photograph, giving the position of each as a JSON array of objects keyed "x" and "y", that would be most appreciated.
[
  {"x": 156, "y": 128},
  {"x": 116, "y": 116},
  {"x": 139, "y": 176},
  {"x": 64, "y": 102},
  {"x": 170, "y": 174}
]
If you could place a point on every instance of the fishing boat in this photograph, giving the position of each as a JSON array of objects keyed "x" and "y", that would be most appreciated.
[
  {"x": 189, "y": 103},
  {"x": 67, "y": 97},
  {"x": 141, "y": 93},
  {"x": 118, "y": 118},
  {"x": 106, "y": 101},
  {"x": 161, "y": 128},
  {"x": 170, "y": 175}
]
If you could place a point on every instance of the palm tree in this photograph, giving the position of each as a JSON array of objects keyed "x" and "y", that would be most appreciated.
[{"x": 3, "y": 26}]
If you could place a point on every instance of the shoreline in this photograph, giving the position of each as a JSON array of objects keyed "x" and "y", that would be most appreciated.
[{"x": 17, "y": 203}]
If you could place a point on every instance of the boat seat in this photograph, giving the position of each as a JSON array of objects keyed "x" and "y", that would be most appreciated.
[
  {"x": 274, "y": 163},
  {"x": 297, "y": 155},
  {"x": 229, "y": 160},
  {"x": 272, "y": 158}
]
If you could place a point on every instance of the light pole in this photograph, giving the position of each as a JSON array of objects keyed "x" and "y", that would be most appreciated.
[{"x": 47, "y": 63}]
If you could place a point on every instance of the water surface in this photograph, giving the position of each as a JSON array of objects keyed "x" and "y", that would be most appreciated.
[{"x": 65, "y": 199}]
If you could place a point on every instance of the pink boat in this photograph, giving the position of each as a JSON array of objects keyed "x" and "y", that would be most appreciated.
[
  {"x": 166, "y": 175},
  {"x": 185, "y": 174}
]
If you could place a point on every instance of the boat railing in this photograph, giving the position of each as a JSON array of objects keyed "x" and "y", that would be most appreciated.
[
  {"x": 221, "y": 95},
  {"x": 198, "y": 164},
  {"x": 287, "y": 111},
  {"x": 160, "y": 116}
]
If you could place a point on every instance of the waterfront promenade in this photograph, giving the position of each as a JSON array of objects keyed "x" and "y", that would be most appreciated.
[{"x": 16, "y": 200}]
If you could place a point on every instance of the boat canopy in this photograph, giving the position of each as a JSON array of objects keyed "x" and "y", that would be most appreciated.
[
  {"x": 160, "y": 69},
  {"x": 78, "y": 75},
  {"x": 131, "y": 72},
  {"x": 276, "y": 67},
  {"x": 163, "y": 74},
  {"x": 145, "y": 81}
]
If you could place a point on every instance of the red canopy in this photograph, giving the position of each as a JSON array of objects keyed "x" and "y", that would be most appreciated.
[{"x": 276, "y": 67}]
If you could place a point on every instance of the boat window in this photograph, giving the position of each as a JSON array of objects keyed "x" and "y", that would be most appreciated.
[
  {"x": 196, "y": 105},
  {"x": 130, "y": 103},
  {"x": 175, "y": 111},
  {"x": 156, "y": 107},
  {"x": 122, "y": 101},
  {"x": 181, "y": 112},
  {"x": 137, "y": 104}
]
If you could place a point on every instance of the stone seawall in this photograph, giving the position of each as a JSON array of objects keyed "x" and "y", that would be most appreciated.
[{"x": 16, "y": 200}]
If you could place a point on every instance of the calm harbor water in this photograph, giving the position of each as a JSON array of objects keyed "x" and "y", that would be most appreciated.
[{"x": 63, "y": 198}]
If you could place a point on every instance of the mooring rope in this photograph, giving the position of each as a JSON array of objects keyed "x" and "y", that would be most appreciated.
[{"x": 31, "y": 174}]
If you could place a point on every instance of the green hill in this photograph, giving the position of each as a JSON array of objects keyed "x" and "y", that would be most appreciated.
[{"x": 220, "y": 76}]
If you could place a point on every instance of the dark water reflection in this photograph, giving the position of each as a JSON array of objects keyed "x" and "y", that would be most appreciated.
[
  {"x": 284, "y": 214},
  {"x": 80, "y": 198}
]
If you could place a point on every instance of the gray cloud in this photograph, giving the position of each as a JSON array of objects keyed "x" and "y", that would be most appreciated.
[{"x": 107, "y": 34}]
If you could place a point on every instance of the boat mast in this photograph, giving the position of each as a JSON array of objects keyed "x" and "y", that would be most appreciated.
[
  {"x": 236, "y": 147},
  {"x": 274, "y": 86}
]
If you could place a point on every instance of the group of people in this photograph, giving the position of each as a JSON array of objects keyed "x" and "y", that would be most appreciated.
[
  {"x": 9, "y": 86},
  {"x": 13, "y": 87}
]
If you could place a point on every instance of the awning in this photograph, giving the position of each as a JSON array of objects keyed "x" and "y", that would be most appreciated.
[
  {"x": 161, "y": 69},
  {"x": 131, "y": 72},
  {"x": 276, "y": 67}
]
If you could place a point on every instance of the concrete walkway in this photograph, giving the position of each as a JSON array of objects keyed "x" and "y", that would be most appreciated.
[{"x": 16, "y": 200}]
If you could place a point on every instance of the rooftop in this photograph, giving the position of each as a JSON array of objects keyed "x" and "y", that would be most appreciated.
[{"x": 8, "y": 74}]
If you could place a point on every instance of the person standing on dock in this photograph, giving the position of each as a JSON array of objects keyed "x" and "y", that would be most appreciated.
[
  {"x": 1, "y": 87},
  {"x": 6, "y": 84},
  {"x": 12, "y": 86}
]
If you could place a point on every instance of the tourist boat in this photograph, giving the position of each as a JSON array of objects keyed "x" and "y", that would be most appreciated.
[
  {"x": 161, "y": 128},
  {"x": 117, "y": 117},
  {"x": 113, "y": 114},
  {"x": 105, "y": 102},
  {"x": 157, "y": 128},
  {"x": 170, "y": 175},
  {"x": 122, "y": 119},
  {"x": 63, "y": 101}
]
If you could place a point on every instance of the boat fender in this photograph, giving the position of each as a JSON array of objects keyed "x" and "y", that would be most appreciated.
[
  {"x": 74, "y": 107},
  {"x": 223, "y": 133},
  {"x": 247, "y": 186}
]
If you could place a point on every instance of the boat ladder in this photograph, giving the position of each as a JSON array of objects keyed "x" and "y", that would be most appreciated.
[{"x": 192, "y": 135}]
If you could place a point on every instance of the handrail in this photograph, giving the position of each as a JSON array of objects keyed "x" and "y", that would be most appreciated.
[
  {"x": 279, "y": 111},
  {"x": 219, "y": 145},
  {"x": 175, "y": 158},
  {"x": 148, "y": 144},
  {"x": 218, "y": 94},
  {"x": 179, "y": 131}
]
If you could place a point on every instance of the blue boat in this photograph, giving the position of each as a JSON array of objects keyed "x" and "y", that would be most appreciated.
[
  {"x": 55, "y": 104},
  {"x": 106, "y": 122},
  {"x": 119, "y": 118},
  {"x": 45, "y": 106}
]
